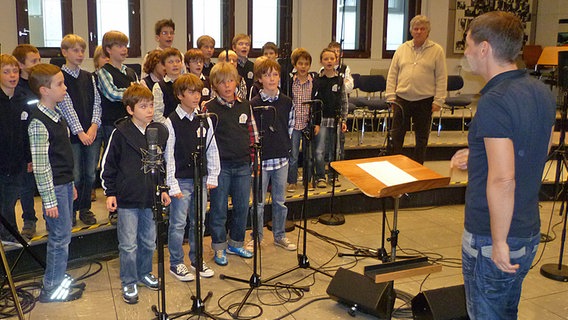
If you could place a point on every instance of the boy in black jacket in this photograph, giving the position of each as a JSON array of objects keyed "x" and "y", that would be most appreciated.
[{"x": 131, "y": 192}]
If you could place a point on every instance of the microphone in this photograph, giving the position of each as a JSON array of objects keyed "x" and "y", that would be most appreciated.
[
  {"x": 312, "y": 101},
  {"x": 152, "y": 159}
]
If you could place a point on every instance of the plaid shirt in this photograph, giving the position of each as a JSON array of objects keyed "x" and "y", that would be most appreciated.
[
  {"x": 107, "y": 87},
  {"x": 68, "y": 112},
  {"x": 277, "y": 163},
  {"x": 39, "y": 147},
  {"x": 301, "y": 92}
]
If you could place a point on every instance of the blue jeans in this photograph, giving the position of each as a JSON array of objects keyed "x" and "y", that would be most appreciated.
[
  {"x": 179, "y": 211},
  {"x": 59, "y": 237},
  {"x": 85, "y": 163},
  {"x": 279, "y": 209},
  {"x": 136, "y": 243},
  {"x": 9, "y": 191},
  {"x": 491, "y": 293},
  {"x": 297, "y": 136},
  {"x": 234, "y": 180},
  {"x": 324, "y": 150},
  {"x": 27, "y": 193}
]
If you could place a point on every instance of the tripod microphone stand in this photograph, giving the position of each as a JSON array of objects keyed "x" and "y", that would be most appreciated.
[{"x": 255, "y": 280}]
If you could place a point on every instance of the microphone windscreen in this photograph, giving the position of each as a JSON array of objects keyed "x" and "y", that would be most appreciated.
[
  {"x": 152, "y": 136},
  {"x": 162, "y": 132}
]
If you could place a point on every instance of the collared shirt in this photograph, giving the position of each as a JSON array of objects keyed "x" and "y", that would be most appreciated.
[
  {"x": 240, "y": 90},
  {"x": 301, "y": 92},
  {"x": 241, "y": 61},
  {"x": 107, "y": 86},
  {"x": 68, "y": 112},
  {"x": 159, "y": 105},
  {"x": 211, "y": 152},
  {"x": 39, "y": 147}
]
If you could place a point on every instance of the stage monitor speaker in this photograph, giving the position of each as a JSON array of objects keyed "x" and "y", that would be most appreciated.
[
  {"x": 362, "y": 293},
  {"x": 440, "y": 304},
  {"x": 563, "y": 69}
]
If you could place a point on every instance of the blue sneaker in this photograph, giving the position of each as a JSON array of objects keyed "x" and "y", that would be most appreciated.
[
  {"x": 241, "y": 252},
  {"x": 220, "y": 257},
  {"x": 149, "y": 281}
]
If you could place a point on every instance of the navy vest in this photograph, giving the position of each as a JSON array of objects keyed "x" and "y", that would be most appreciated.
[
  {"x": 186, "y": 144},
  {"x": 82, "y": 93},
  {"x": 170, "y": 101}
]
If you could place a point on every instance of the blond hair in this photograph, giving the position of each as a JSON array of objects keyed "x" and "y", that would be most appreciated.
[
  {"x": 70, "y": 40},
  {"x": 222, "y": 72}
]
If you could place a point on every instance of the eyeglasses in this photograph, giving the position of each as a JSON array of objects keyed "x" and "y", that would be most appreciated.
[{"x": 166, "y": 33}]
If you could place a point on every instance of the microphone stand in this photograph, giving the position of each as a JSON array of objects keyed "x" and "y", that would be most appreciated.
[{"x": 255, "y": 281}]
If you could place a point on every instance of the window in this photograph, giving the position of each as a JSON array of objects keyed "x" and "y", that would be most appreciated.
[
  {"x": 43, "y": 23},
  {"x": 352, "y": 27},
  {"x": 271, "y": 21},
  {"x": 398, "y": 14},
  {"x": 121, "y": 15},
  {"x": 210, "y": 17}
]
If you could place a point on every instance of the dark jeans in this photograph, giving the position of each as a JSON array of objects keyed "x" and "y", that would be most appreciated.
[
  {"x": 421, "y": 114},
  {"x": 297, "y": 136},
  {"x": 9, "y": 191},
  {"x": 85, "y": 160},
  {"x": 27, "y": 193}
]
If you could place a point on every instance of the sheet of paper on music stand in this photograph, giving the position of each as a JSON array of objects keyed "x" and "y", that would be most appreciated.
[{"x": 386, "y": 173}]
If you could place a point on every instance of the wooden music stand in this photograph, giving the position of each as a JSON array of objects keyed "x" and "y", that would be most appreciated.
[{"x": 379, "y": 184}]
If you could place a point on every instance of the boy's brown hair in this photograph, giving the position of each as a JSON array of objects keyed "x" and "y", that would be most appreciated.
[
  {"x": 187, "y": 81},
  {"x": 239, "y": 37},
  {"x": 262, "y": 66},
  {"x": 98, "y": 53},
  {"x": 136, "y": 93},
  {"x": 112, "y": 38},
  {"x": 21, "y": 51},
  {"x": 300, "y": 53},
  {"x": 41, "y": 75},
  {"x": 163, "y": 23},
  {"x": 168, "y": 53},
  {"x": 152, "y": 60},
  {"x": 326, "y": 50},
  {"x": 201, "y": 41},
  {"x": 223, "y": 71},
  {"x": 70, "y": 40},
  {"x": 333, "y": 45},
  {"x": 270, "y": 46},
  {"x": 193, "y": 54},
  {"x": 8, "y": 60}
]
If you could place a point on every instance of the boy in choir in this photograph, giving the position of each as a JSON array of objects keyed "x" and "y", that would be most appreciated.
[
  {"x": 206, "y": 44},
  {"x": 164, "y": 30},
  {"x": 27, "y": 56},
  {"x": 343, "y": 69},
  {"x": 277, "y": 126},
  {"x": 13, "y": 137},
  {"x": 52, "y": 159},
  {"x": 231, "y": 57},
  {"x": 113, "y": 79},
  {"x": 183, "y": 123},
  {"x": 241, "y": 46},
  {"x": 130, "y": 192},
  {"x": 193, "y": 59},
  {"x": 81, "y": 108},
  {"x": 235, "y": 132},
  {"x": 331, "y": 91},
  {"x": 270, "y": 50},
  {"x": 303, "y": 87},
  {"x": 154, "y": 69},
  {"x": 99, "y": 59},
  {"x": 164, "y": 99}
]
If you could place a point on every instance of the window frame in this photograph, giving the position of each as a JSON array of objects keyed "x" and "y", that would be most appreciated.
[
  {"x": 23, "y": 24},
  {"x": 134, "y": 38},
  {"x": 284, "y": 42},
  {"x": 228, "y": 25},
  {"x": 414, "y": 9},
  {"x": 365, "y": 27}
]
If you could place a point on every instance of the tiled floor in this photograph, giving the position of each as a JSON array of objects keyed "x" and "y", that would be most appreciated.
[{"x": 435, "y": 231}]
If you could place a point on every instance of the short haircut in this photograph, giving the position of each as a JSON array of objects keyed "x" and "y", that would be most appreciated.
[
  {"x": 334, "y": 44},
  {"x": 168, "y": 53},
  {"x": 223, "y": 71},
  {"x": 223, "y": 55},
  {"x": 152, "y": 60},
  {"x": 41, "y": 76},
  {"x": 112, "y": 38},
  {"x": 327, "y": 50},
  {"x": 8, "y": 60},
  {"x": 265, "y": 65},
  {"x": 270, "y": 46},
  {"x": 419, "y": 19},
  {"x": 193, "y": 54},
  {"x": 70, "y": 40},
  {"x": 502, "y": 30},
  {"x": 204, "y": 39},
  {"x": 187, "y": 81},
  {"x": 163, "y": 23},
  {"x": 300, "y": 53},
  {"x": 21, "y": 51},
  {"x": 96, "y": 55},
  {"x": 239, "y": 37},
  {"x": 136, "y": 93}
]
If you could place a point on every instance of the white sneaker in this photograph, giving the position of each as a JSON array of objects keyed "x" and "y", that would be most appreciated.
[
  {"x": 205, "y": 272},
  {"x": 181, "y": 273},
  {"x": 286, "y": 244},
  {"x": 250, "y": 245}
]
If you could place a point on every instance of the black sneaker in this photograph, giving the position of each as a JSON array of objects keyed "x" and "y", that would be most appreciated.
[
  {"x": 150, "y": 282},
  {"x": 113, "y": 218},
  {"x": 88, "y": 218},
  {"x": 130, "y": 294}
]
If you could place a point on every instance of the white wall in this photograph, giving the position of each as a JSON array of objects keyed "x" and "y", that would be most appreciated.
[{"x": 311, "y": 28}]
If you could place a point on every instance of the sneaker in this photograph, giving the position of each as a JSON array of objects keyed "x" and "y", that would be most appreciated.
[
  {"x": 240, "y": 251},
  {"x": 88, "y": 218},
  {"x": 66, "y": 291},
  {"x": 113, "y": 218},
  {"x": 205, "y": 272},
  {"x": 321, "y": 183},
  {"x": 181, "y": 273},
  {"x": 286, "y": 244},
  {"x": 150, "y": 282},
  {"x": 29, "y": 229},
  {"x": 250, "y": 245},
  {"x": 130, "y": 293},
  {"x": 291, "y": 187},
  {"x": 220, "y": 257}
]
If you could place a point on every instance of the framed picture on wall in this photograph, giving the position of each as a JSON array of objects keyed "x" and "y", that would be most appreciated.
[{"x": 467, "y": 10}]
